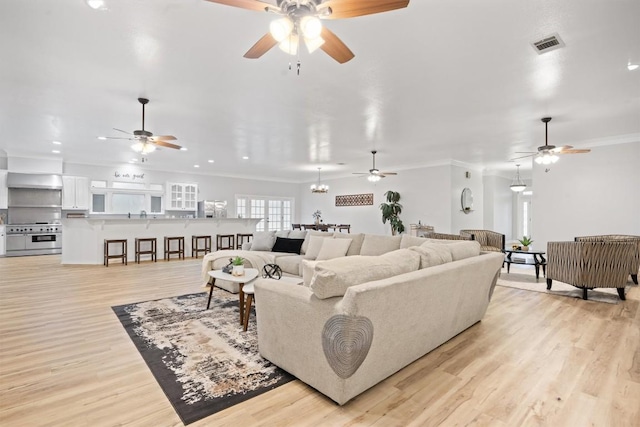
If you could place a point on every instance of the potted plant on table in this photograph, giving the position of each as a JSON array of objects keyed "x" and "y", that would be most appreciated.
[
  {"x": 525, "y": 242},
  {"x": 317, "y": 216},
  {"x": 238, "y": 266},
  {"x": 391, "y": 212}
]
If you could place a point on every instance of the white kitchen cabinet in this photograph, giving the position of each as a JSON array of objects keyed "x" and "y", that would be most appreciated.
[
  {"x": 182, "y": 196},
  {"x": 75, "y": 192},
  {"x": 4, "y": 191}
]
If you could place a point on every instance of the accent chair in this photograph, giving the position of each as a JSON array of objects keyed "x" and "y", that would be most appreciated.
[
  {"x": 490, "y": 241},
  {"x": 635, "y": 266},
  {"x": 445, "y": 236},
  {"x": 589, "y": 265}
]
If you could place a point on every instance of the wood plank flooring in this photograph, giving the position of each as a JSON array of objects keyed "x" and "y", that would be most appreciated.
[{"x": 534, "y": 360}]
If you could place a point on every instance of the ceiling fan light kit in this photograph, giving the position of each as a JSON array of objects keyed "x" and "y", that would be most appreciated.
[
  {"x": 374, "y": 174},
  {"x": 517, "y": 185}
]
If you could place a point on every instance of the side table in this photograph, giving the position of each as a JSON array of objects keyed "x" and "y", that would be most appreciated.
[{"x": 249, "y": 275}]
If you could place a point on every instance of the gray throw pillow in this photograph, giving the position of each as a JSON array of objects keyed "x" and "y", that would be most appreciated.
[{"x": 263, "y": 241}]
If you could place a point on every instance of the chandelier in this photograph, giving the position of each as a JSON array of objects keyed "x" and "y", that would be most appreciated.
[
  {"x": 517, "y": 185},
  {"x": 319, "y": 188}
]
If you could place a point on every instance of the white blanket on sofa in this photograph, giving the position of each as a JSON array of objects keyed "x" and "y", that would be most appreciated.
[{"x": 253, "y": 259}]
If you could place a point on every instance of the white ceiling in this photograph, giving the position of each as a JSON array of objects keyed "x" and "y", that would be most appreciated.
[{"x": 435, "y": 82}]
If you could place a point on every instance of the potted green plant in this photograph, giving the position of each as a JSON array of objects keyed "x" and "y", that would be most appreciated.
[
  {"x": 238, "y": 266},
  {"x": 391, "y": 212},
  {"x": 317, "y": 216},
  {"x": 525, "y": 242}
]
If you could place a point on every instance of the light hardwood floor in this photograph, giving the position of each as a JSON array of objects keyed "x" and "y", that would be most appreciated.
[{"x": 535, "y": 359}]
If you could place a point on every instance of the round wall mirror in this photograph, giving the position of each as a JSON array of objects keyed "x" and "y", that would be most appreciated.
[{"x": 466, "y": 200}]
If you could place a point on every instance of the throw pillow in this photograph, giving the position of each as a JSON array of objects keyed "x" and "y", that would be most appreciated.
[
  {"x": 356, "y": 242},
  {"x": 263, "y": 240},
  {"x": 291, "y": 246},
  {"x": 282, "y": 233},
  {"x": 432, "y": 254},
  {"x": 409, "y": 241},
  {"x": 461, "y": 249},
  {"x": 333, "y": 248},
  {"x": 315, "y": 244},
  {"x": 310, "y": 233},
  {"x": 297, "y": 234}
]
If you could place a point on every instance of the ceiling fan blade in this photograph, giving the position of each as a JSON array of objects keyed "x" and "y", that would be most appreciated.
[
  {"x": 261, "y": 47},
  {"x": 575, "y": 151},
  {"x": 334, "y": 47},
  {"x": 360, "y": 173},
  {"x": 119, "y": 137},
  {"x": 522, "y": 157},
  {"x": 245, "y": 4},
  {"x": 123, "y": 131},
  {"x": 163, "y": 137},
  {"x": 167, "y": 144},
  {"x": 388, "y": 173},
  {"x": 561, "y": 149},
  {"x": 351, "y": 8},
  {"x": 526, "y": 152}
]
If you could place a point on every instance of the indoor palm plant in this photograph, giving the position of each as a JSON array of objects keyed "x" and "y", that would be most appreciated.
[{"x": 391, "y": 212}]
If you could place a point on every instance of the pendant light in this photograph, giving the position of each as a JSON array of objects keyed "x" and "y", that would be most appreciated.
[
  {"x": 319, "y": 188},
  {"x": 517, "y": 184}
]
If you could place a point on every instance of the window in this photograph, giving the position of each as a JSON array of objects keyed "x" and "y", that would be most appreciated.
[
  {"x": 276, "y": 212},
  {"x": 98, "y": 203}
]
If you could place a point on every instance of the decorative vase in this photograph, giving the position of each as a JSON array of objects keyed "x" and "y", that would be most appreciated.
[
  {"x": 238, "y": 270},
  {"x": 525, "y": 248}
]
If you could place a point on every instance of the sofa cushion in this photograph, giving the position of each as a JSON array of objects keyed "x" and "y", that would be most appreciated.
[
  {"x": 287, "y": 245},
  {"x": 409, "y": 241},
  {"x": 356, "y": 242},
  {"x": 307, "y": 267},
  {"x": 310, "y": 233},
  {"x": 289, "y": 264},
  {"x": 263, "y": 240},
  {"x": 432, "y": 254},
  {"x": 332, "y": 278},
  {"x": 315, "y": 244},
  {"x": 297, "y": 234},
  {"x": 460, "y": 249},
  {"x": 378, "y": 245},
  {"x": 333, "y": 248}
]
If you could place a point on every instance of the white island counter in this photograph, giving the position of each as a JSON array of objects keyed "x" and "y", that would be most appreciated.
[{"x": 83, "y": 238}]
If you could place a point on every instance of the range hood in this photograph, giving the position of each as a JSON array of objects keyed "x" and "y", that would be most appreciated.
[{"x": 34, "y": 180}]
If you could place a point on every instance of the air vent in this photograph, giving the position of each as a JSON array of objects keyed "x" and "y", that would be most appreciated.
[{"x": 548, "y": 44}]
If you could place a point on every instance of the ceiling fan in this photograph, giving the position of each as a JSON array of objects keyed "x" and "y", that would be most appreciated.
[
  {"x": 301, "y": 20},
  {"x": 146, "y": 142},
  {"x": 546, "y": 153},
  {"x": 374, "y": 174}
]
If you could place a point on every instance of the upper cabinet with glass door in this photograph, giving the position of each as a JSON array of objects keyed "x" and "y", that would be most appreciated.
[{"x": 182, "y": 196}]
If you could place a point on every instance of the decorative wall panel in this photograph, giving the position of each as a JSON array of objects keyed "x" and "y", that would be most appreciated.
[{"x": 355, "y": 200}]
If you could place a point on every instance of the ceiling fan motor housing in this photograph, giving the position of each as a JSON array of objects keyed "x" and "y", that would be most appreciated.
[{"x": 144, "y": 133}]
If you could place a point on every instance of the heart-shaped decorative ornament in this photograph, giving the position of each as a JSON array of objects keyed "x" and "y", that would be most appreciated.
[{"x": 346, "y": 341}]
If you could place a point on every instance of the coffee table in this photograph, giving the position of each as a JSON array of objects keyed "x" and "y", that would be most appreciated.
[
  {"x": 538, "y": 260},
  {"x": 249, "y": 275}
]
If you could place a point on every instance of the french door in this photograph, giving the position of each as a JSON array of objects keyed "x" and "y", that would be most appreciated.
[{"x": 275, "y": 212}]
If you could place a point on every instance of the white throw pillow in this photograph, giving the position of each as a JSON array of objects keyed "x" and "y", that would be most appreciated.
[
  {"x": 282, "y": 233},
  {"x": 315, "y": 244},
  {"x": 263, "y": 240},
  {"x": 461, "y": 249},
  {"x": 310, "y": 233},
  {"x": 432, "y": 254},
  {"x": 333, "y": 248},
  {"x": 297, "y": 234},
  {"x": 377, "y": 245}
]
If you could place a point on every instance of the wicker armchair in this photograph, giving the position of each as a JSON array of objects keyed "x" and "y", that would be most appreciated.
[
  {"x": 490, "y": 241},
  {"x": 444, "y": 236},
  {"x": 589, "y": 265},
  {"x": 635, "y": 266}
]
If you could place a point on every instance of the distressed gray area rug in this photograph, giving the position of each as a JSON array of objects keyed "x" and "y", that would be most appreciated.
[
  {"x": 524, "y": 278},
  {"x": 202, "y": 359}
]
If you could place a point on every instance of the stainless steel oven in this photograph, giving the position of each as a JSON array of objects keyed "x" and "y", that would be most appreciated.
[{"x": 34, "y": 239}]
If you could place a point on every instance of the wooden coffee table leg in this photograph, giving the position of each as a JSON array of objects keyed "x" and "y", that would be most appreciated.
[
  {"x": 241, "y": 303},
  {"x": 213, "y": 282}
]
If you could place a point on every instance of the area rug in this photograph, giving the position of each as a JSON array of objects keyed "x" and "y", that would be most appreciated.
[
  {"x": 522, "y": 279},
  {"x": 202, "y": 359}
]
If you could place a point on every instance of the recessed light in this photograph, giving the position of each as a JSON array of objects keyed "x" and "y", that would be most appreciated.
[
  {"x": 55, "y": 151},
  {"x": 102, "y": 138},
  {"x": 245, "y": 157},
  {"x": 631, "y": 66},
  {"x": 196, "y": 166},
  {"x": 56, "y": 142},
  {"x": 210, "y": 161},
  {"x": 183, "y": 148}
]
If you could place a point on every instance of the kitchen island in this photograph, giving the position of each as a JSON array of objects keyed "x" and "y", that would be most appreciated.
[{"x": 82, "y": 238}]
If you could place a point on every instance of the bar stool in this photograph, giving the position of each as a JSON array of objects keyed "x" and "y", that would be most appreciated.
[
  {"x": 151, "y": 251},
  {"x": 167, "y": 247},
  {"x": 220, "y": 241},
  {"x": 195, "y": 245},
  {"x": 241, "y": 237},
  {"x": 123, "y": 251}
]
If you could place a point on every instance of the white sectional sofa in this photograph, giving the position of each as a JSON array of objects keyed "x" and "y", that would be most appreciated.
[{"x": 363, "y": 315}]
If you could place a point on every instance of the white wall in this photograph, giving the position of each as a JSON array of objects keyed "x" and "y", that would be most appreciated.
[
  {"x": 586, "y": 194},
  {"x": 498, "y": 205}
]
